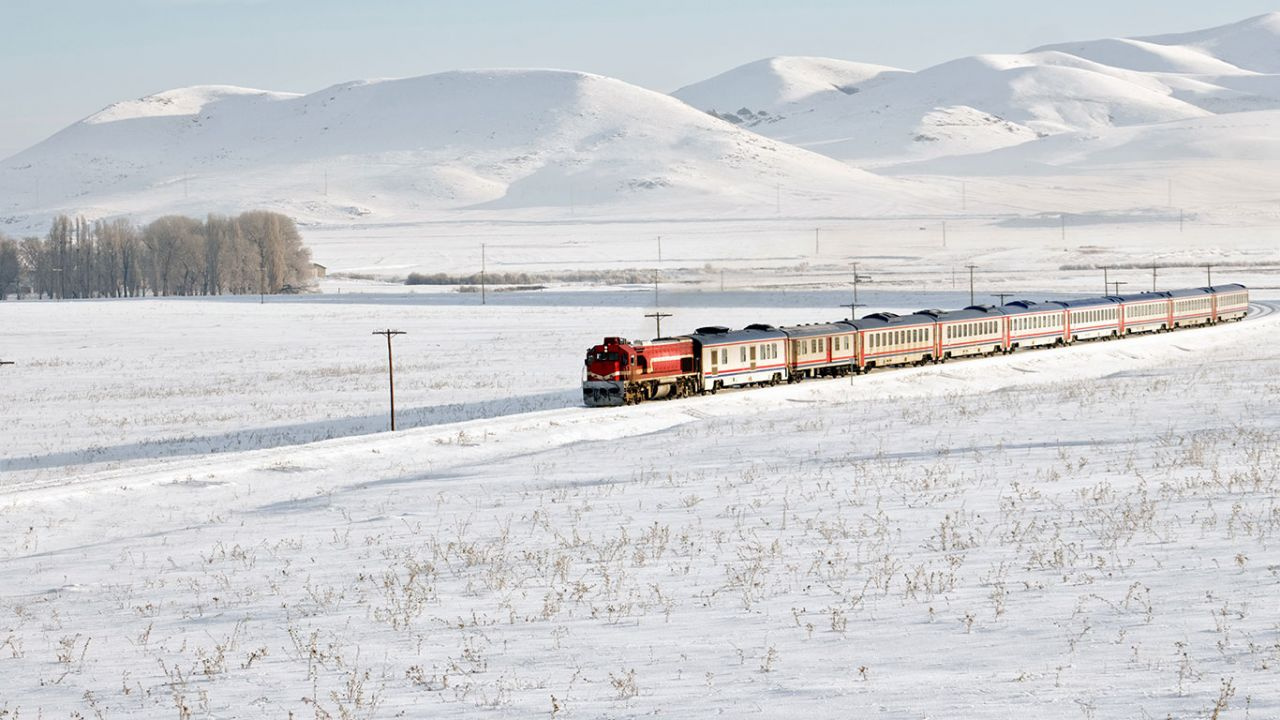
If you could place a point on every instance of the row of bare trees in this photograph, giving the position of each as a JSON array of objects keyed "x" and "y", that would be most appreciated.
[{"x": 250, "y": 253}]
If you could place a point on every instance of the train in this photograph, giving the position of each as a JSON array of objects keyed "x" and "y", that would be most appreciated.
[{"x": 710, "y": 359}]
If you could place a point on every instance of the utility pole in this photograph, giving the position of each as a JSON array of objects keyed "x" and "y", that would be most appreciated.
[
  {"x": 971, "y": 268},
  {"x": 1153, "y": 278},
  {"x": 1209, "y": 272},
  {"x": 657, "y": 316},
  {"x": 853, "y": 309},
  {"x": 391, "y": 375},
  {"x": 1117, "y": 284},
  {"x": 1002, "y": 296},
  {"x": 483, "y": 299},
  {"x": 1106, "y": 283},
  {"x": 655, "y": 288},
  {"x": 857, "y": 279}
]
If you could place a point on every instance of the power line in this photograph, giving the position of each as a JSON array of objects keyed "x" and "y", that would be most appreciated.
[{"x": 391, "y": 376}]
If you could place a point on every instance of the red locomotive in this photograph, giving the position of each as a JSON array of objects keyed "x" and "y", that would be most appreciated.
[{"x": 624, "y": 373}]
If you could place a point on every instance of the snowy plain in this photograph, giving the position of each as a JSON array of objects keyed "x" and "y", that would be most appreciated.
[
  {"x": 1087, "y": 532},
  {"x": 201, "y": 514}
]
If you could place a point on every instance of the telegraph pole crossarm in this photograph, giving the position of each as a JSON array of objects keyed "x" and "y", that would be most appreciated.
[
  {"x": 1117, "y": 284},
  {"x": 853, "y": 309},
  {"x": 657, "y": 316},
  {"x": 1002, "y": 296},
  {"x": 391, "y": 377}
]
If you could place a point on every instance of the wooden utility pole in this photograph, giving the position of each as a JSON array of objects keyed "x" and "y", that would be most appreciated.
[
  {"x": 1209, "y": 273},
  {"x": 971, "y": 268},
  {"x": 1117, "y": 284},
  {"x": 1002, "y": 296},
  {"x": 857, "y": 279},
  {"x": 1106, "y": 283},
  {"x": 391, "y": 373},
  {"x": 1153, "y": 278},
  {"x": 657, "y": 316}
]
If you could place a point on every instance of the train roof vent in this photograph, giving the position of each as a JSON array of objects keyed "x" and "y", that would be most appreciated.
[
  {"x": 1021, "y": 303},
  {"x": 931, "y": 312},
  {"x": 981, "y": 308},
  {"x": 760, "y": 326},
  {"x": 713, "y": 330},
  {"x": 885, "y": 316}
]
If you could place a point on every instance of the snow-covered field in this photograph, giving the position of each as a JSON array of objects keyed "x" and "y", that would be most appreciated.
[
  {"x": 1087, "y": 532},
  {"x": 201, "y": 514}
]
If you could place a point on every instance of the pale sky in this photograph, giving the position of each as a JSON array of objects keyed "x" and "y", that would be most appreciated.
[{"x": 61, "y": 60}]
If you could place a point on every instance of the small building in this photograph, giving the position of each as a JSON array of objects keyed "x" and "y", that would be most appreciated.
[{"x": 318, "y": 271}]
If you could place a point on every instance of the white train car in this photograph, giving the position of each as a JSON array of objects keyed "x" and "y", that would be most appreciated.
[
  {"x": 1033, "y": 324},
  {"x": 1231, "y": 302}
]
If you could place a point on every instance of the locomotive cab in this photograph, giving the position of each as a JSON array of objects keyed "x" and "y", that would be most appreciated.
[
  {"x": 607, "y": 368},
  {"x": 620, "y": 372}
]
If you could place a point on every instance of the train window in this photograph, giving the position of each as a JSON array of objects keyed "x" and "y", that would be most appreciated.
[
  {"x": 742, "y": 353},
  {"x": 724, "y": 355}
]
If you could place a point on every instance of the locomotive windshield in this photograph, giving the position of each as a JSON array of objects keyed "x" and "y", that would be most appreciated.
[{"x": 605, "y": 357}]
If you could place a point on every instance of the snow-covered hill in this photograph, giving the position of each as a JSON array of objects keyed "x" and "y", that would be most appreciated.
[
  {"x": 767, "y": 90},
  {"x": 981, "y": 103},
  {"x": 784, "y": 136},
  {"x": 404, "y": 149}
]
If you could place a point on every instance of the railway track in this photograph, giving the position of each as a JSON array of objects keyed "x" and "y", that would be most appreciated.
[{"x": 1258, "y": 309}]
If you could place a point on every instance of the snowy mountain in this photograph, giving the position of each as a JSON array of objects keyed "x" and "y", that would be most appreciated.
[
  {"x": 404, "y": 149},
  {"x": 783, "y": 136},
  {"x": 981, "y": 103},
  {"x": 768, "y": 90}
]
